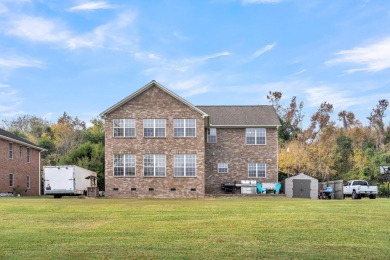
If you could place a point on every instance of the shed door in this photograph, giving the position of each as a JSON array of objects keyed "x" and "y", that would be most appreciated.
[{"x": 301, "y": 189}]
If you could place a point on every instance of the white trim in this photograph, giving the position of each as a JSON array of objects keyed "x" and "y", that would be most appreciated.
[
  {"x": 257, "y": 170},
  {"x": 20, "y": 142},
  {"x": 154, "y": 127},
  {"x": 154, "y": 165},
  {"x": 265, "y": 136},
  {"x": 11, "y": 151},
  {"x": 124, "y": 128},
  {"x": 146, "y": 87},
  {"x": 184, "y": 166},
  {"x": 227, "y": 167},
  {"x": 243, "y": 126},
  {"x": 124, "y": 166}
]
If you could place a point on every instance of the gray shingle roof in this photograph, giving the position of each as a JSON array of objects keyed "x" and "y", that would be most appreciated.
[
  {"x": 14, "y": 138},
  {"x": 241, "y": 115}
]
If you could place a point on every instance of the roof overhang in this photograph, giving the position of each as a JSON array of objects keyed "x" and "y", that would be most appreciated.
[
  {"x": 146, "y": 87},
  {"x": 20, "y": 142}
]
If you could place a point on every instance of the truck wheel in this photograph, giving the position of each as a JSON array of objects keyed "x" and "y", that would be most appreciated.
[{"x": 354, "y": 195}]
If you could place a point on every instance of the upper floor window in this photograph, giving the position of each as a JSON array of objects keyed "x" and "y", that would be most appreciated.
[
  {"x": 28, "y": 155},
  {"x": 124, "y": 165},
  {"x": 184, "y": 165},
  {"x": 21, "y": 151},
  {"x": 255, "y": 135},
  {"x": 212, "y": 135},
  {"x": 154, "y": 127},
  {"x": 124, "y": 127},
  {"x": 154, "y": 165},
  {"x": 223, "y": 168},
  {"x": 11, "y": 151},
  {"x": 256, "y": 170},
  {"x": 184, "y": 127}
]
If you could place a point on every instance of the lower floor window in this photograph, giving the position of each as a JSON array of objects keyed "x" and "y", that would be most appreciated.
[
  {"x": 185, "y": 165},
  {"x": 256, "y": 170},
  {"x": 223, "y": 168},
  {"x": 124, "y": 165},
  {"x": 154, "y": 165}
]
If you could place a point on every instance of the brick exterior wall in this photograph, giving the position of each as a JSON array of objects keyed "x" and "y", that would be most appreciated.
[
  {"x": 20, "y": 169},
  {"x": 231, "y": 148},
  {"x": 154, "y": 103}
]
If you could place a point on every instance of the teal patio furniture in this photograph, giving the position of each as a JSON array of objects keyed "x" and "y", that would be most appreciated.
[
  {"x": 278, "y": 186},
  {"x": 260, "y": 189}
]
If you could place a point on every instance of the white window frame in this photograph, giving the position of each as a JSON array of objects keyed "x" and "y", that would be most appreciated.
[
  {"x": 181, "y": 161},
  {"x": 183, "y": 123},
  {"x": 123, "y": 124},
  {"x": 259, "y": 169},
  {"x": 156, "y": 161},
  {"x": 21, "y": 151},
  {"x": 153, "y": 123},
  {"x": 28, "y": 155},
  {"x": 124, "y": 162},
  {"x": 222, "y": 167},
  {"x": 258, "y": 134},
  {"x": 11, "y": 151},
  {"x": 209, "y": 135},
  {"x": 28, "y": 182}
]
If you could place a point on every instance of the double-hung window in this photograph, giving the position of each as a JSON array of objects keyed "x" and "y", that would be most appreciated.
[
  {"x": 154, "y": 127},
  {"x": 255, "y": 136},
  {"x": 124, "y": 127},
  {"x": 154, "y": 165},
  {"x": 184, "y": 127},
  {"x": 21, "y": 151},
  {"x": 212, "y": 135},
  {"x": 11, "y": 151},
  {"x": 256, "y": 170},
  {"x": 124, "y": 165},
  {"x": 223, "y": 168},
  {"x": 184, "y": 165}
]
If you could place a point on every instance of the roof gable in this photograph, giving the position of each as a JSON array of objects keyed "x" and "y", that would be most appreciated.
[
  {"x": 17, "y": 139},
  {"x": 241, "y": 116},
  {"x": 151, "y": 84}
]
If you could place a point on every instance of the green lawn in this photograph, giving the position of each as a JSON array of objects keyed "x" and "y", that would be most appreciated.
[{"x": 249, "y": 228}]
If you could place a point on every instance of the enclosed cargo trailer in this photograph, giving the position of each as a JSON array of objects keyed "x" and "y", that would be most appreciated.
[{"x": 68, "y": 180}]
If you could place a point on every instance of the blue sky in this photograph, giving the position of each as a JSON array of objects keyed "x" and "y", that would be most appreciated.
[{"x": 84, "y": 56}]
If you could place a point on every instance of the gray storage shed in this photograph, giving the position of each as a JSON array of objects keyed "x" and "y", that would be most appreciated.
[{"x": 301, "y": 186}]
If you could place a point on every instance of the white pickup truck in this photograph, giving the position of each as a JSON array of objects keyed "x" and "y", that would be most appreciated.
[{"x": 358, "y": 189}]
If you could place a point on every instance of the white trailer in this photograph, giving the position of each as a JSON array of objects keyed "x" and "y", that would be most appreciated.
[{"x": 68, "y": 180}]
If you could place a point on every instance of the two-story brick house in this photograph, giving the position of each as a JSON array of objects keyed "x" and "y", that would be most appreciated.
[
  {"x": 19, "y": 165},
  {"x": 160, "y": 145}
]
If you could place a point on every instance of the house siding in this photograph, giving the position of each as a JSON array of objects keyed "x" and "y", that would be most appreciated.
[
  {"x": 154, "y": 103},
  {"x": 231, "y": 148},
  {"x": 20, "y": 169}
]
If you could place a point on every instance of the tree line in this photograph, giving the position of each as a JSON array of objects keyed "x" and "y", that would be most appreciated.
[
  {"x": 330, "y": 151},
  {"x": 66, "y": 142}
]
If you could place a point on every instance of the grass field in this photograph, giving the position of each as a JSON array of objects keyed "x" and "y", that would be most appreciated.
[{"x": 212, "y": 228}]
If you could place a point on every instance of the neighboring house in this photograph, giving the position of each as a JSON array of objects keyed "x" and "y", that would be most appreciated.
[
  {"x": 160, "y": 145},
  {"x": 19, "y": 165}
]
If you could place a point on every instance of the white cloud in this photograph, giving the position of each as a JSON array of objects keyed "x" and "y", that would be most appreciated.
[
  {"x": 263, "y": 50},
  {"x": 248, "y": 2},
  {"x": 299, "y": 72},
  {"x": 339, "y": 99},
  {"x": 4, "y": 85},
  {"x": 19, "y": 62},
  {"x": 37, "y": 29},
  {"x": 91, "y": 6},
  {"x": 372, "y": 57}
]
